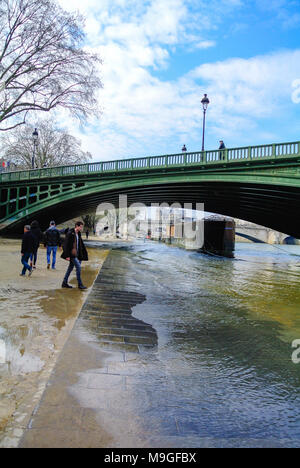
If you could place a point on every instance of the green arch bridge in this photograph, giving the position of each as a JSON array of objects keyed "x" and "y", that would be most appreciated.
[{"x": 260, "y": 184}]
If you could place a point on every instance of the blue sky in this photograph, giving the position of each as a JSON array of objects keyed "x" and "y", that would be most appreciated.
[{"x": 161, "y": 56}]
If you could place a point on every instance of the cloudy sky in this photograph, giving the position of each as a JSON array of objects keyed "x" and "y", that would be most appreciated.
[{"x": 161, "y": 56}]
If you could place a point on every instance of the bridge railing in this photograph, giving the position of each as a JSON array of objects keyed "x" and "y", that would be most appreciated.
[{"x": 206, "y": 158}]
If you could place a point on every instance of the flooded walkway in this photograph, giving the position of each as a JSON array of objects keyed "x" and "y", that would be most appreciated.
[
  {"x": 36, "y": 317},
  {"x": 89, "y": 401},
  {"x": 177, "y": 349}
]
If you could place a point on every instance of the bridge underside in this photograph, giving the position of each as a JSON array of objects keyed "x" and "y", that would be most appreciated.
[{"x": 272, "y": 206}]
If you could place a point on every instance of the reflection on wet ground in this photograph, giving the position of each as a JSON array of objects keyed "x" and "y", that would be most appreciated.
[
  {"x": 173, "y": 349},
  {"x": 36, "y": 316},
  {"x": 108, "y": 310},
  {"x": 219, "y": 374}
]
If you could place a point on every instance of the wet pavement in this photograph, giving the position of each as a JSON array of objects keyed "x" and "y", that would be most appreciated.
[
  {"x": 177, "y": 349},
  {"x": 36, "y": 317},
  {"x": 88, "y": 401},
  {"x": 108, "y": 310}
]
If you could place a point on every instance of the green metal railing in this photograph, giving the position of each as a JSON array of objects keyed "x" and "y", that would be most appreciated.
[{"x": 205, "y": 158}]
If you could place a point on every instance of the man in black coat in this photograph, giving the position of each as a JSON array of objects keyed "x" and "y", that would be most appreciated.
[
  {"x": 28, "y": 245},
  {"x": 53, "y": 241},
  {"x": 75, "y": 252},
  {"x": 38, "y": 235},
  {"x": 222, "y": 147}
]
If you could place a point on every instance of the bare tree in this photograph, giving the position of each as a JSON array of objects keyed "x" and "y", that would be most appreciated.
[
  {"x": 55, "y": 147},
  {"x": 91, "y": 220},
  {"x": 42, "y": 62}
]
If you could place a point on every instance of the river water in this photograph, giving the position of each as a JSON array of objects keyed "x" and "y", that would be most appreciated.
[{"x": 222, "y": 374}]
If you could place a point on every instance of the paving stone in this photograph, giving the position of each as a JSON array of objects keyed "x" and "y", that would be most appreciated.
[
  {"x": 138, "y": 340},
  {"x": 94, "y": 398},
  {"x": 47, "y": 438},
  {"x": 140, "y": 326},
  {"x": 107, "y": 381},
  {"x": 124, "y": 331},
  {"x": 117, "y": 314},
  {"x": 132, "y": 348},
  {"x": 111, "y": 337},
  {"x": 49, "y": 417}
]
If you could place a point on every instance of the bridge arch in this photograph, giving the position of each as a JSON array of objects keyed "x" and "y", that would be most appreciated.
[{"x": 264, "y": 190}]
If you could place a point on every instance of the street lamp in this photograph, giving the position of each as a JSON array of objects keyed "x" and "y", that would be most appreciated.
[
  {"x": 35, "y": 136},
  {"x": 204, "y": 102}
]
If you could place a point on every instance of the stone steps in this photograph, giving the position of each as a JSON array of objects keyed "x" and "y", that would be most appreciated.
[{"x": 107, "y": 313}]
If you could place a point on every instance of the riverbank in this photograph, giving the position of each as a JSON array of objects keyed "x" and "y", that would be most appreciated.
[
  {"x": 220, "y": 373},
  {"x": 36, "y": 318},
  {"x": 171, "y": 348}
]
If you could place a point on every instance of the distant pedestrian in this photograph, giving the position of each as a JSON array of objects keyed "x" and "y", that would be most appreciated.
[
  {"x": 27, "y": 249},
  {"x": 38, "y": 235},
  {"x": 87, "y": 232},
  {"x": 183, "y": 149},
  {"x": 52, "y": 241},
  {"x": 222, "y": 147},
  {"x": 74, "y": 251},
  {"x": 94, "y": 231}
]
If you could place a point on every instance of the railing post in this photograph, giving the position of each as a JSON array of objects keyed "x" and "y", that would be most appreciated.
[
  {"x": 226, "y": 155},
  {"x": 249, "y": 152},
  {"x": 273, "y": 150}
]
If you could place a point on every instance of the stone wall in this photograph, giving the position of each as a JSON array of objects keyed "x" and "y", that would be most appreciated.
[{"x": 261, "y": 234}]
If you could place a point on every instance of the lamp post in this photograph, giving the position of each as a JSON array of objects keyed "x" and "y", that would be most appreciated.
[
  {"x": 204, "y": 102},
  {"x": 35, "y": 136}
]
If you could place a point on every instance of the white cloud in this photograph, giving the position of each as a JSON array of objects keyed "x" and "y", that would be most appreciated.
[
  {"x": 205, "y": 44},
  {"x": 143, "y": 114}
]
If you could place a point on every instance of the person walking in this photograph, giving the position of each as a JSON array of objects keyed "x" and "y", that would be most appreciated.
[
  {"x": 28, "y": 243},
  {"x": 74, "y": 251},
  {"x": 53, "y": 241},
  {"x": 87, "y": 233},
  {"x": 221, "y": 147},
  {"x": 37, "y": 234}
]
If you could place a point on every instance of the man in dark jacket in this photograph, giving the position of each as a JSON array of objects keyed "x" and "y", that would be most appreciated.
[
  {"x": 75, "y": 252},
  {"x": 222, "y": 147},
  {"x": 53, "y": 241},
  {"x": 37, "y": 234},
  {"x": 27, "y": 249}
]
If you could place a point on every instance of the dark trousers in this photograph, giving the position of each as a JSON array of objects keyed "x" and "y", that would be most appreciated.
[
  {"x": 24, "y": 261},
  {"x": 33, "y": 256},
  {"x": 74, "y": 262}
]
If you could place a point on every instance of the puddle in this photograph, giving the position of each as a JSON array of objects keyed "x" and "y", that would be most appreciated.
[{"x": 36, "y": 317}]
